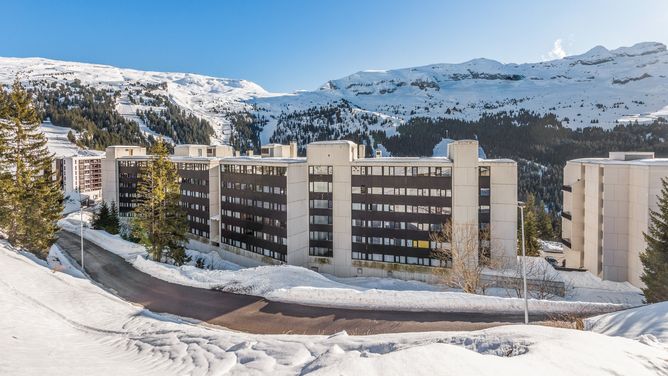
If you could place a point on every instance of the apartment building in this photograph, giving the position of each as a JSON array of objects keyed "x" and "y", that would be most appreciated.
[
  {"x": 335, "y": 210},
  {"x": 606, "y": 211},
  {"x": 80, "y": 173}
]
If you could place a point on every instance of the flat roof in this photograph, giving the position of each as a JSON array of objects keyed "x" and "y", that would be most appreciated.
[{"x": 636, "y": 162}]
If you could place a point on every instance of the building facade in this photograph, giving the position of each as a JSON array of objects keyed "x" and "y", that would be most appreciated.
[
  {"x": 335, "y": 210},
  {"x": 82, "y": 174},
  {"x": 606, "y": 211}
]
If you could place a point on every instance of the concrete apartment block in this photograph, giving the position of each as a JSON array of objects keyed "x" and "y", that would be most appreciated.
[
  {"x": 335, "y": 211},
  {"x": 110, "y": 169},
  {"x": 606, "y": 211}
]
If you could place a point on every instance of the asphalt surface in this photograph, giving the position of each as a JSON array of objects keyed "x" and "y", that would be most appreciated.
[{"x": 255, "y": 314}]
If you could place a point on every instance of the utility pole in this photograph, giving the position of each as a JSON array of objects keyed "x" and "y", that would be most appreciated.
[
  {"x": 81, "y": 228},
  {"x": 521, "y": 205}
]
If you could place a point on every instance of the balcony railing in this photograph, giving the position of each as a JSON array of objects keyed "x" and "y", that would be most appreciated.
[
  {"x": 566, "y": 242},
  {"x": 566, "y": 215},
  {"x": 567, "y": 188}
]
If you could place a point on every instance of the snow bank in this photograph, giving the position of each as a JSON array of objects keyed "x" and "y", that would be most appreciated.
[
  {"x": 57, "y": 324},
  {"x": 648, "y": 322},
  {"x": 293, "y": 284}
]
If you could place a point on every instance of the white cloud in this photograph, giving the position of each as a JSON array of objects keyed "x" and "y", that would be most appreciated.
[{"x": 557, "y": 51}]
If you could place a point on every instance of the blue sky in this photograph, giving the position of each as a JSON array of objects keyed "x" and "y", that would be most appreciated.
[{"x": 299, "y": 44}]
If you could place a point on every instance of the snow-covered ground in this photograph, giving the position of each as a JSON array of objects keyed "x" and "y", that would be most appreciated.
[
  {"x": 58, "y": 143},
  {"x": 58, "y": 324},
  {"x": 648, "y": 324},
  {"x": 294, "y": 284}
]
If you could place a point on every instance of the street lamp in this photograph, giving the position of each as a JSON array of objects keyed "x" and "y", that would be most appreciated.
[
  {"x": 522, "y": 205},
  {"x": 81, "y": 204}
]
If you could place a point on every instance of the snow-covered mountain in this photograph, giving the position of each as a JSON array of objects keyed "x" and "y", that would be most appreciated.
[
  {"x": 208, "y": 98},
  {"x": 600, "y": 87}
]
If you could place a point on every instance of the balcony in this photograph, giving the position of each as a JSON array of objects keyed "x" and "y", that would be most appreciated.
[
  {"x": 566, "y": 242},
  {"x": 566, "y": 215},
  {"x": 567, "y": 188}
]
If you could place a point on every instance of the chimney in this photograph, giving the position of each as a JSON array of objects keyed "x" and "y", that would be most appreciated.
[
  {"x": 249, "y": 153},
  {"x": 293, "y": 149},
  {"x": 361, "y": 151},
  {"x": 379, "y": 153}
]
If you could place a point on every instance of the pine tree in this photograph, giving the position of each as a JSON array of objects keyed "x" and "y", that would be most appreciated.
[
  {"x": 160, "y": 222},
  {"x": 101, "y": 219},
  {"x": 32, "y": 200},
  {"x": 114, "y": 226},
  {"x": 71, "y": 138},
  {"x": 655, "y": 257},
  {"x": 530, "y": 229}
]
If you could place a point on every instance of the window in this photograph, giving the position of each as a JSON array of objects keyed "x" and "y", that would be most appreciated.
[
  {"x": 484, "y": 171},
  {"x": 484, "y": 209},
  {"x": 320, "y": 170},
  {"x": 321, "y": 204},
  {"x": 320, "y": 186},
  {"x": 484, "y": 192},
  {"x": 321, "y": 220}
]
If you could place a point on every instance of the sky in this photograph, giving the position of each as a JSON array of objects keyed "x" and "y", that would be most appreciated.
[{"x": 293, "y": 45}]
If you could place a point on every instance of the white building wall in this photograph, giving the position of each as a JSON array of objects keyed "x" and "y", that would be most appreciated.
[
  {"x": 503, "y": 212},
  {"x": 297, "y": 221}
]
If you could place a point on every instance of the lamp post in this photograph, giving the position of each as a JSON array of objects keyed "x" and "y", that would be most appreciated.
[
  {"x": 81, "y": 202},
  {"x": 521, "y": 205}
]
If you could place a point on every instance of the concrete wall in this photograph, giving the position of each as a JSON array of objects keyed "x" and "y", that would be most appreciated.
[
  {"x": 503, "y": 206},
  {"x": 297, "y": 206}
]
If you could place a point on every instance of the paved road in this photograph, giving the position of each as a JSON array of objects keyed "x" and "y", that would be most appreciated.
[{"x": 255, "y": 314}]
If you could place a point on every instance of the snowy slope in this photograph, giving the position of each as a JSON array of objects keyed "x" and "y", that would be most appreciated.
[
  {"x": 59, "y": 324},
  {"x": 650, "y": 320},
  {"x": 600, "y": 87},
  {"x": 205, "y": 97}
]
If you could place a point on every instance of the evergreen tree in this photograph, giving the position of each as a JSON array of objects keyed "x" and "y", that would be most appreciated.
[
  {"x": 71, "y": 138},
  {"x": 101, "y": 218},
  {"x": 31, "y": 199},
  {"x": 160, "y": 222},
  {"x": 114, "y": 226},
  {"x": 530, "y": 229},
  {"x": 655, "y": 257}
]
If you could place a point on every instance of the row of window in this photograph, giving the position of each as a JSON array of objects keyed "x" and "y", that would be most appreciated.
[
  {"x": 254, "y": 248},
  {"x": 400, "y": 208},
  {"x": 196, "y": 219},
  {"x": 401, "y": 171},
  {"x": 256, "y": 203},
  {"x": 410, "y": 243},
  {"x": 123, "y": 184},
  {"x": 320, "y": 170},
  {"x": 320, "y": 251},
  {"x": 320, "y": 235},
  {"x": 254, "y": 170},
  {"x": 254, "y": 187},
  {"x": 320, "y": 204},
  {"x": 320, "y": 186},
  {"x": 191, "y": 206},
  {"x": 192, "y": 166},
  {"x": 397, "y": 225},
  {"x": 124, "y": 163},
  {"x": 189, "y": 193},
  {"x": 254, "y": 218},
  {"x": 401, "y": 191},
  {"x": 193, "y": 181},
  {"x": 256, "y": 234},
  {"x": 397, "y": 259},
  {"x": 320, "y": 219},
  {"x": 198, "y": 232}
]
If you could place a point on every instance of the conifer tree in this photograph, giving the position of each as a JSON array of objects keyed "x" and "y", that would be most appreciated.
[
  {"x": 530, "y": 229},
  {"x": 101, "y": 219},
  {"x": 655, "y": 257},
  {"x": 31, "y": 200},
  {"x": 160, "y": 222},
  {"x": 114, "y": 226}
]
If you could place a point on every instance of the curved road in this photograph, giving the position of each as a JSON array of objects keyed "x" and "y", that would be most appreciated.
[{"x": 255, "y": 314}]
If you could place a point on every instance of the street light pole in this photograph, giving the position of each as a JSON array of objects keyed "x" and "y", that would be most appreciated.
[
  {"x": 524, "y": 265},
  {"x": 81, "y": 229}
]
